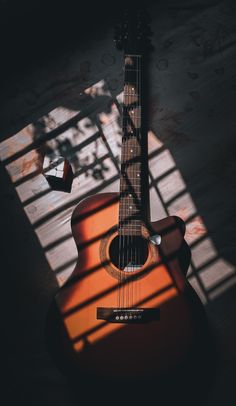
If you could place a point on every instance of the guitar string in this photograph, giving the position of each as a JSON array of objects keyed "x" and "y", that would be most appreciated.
[
  {"x": 135, "y": 199},
  {"x": 124, "y": 205},
  {"x": 136, "y": 143},
  {"x": 121, "y": 219},
  {"x": 127, "y": 216},
  {"x": 121, "y": 203},
  {"x": 124, "y": 186},
  {"x": 139, "y": 152},
  {"x": 130, "y": 207},
  {"x": 124, "y": 209},
  {"x": 139, "y": 140},
  {"x": 128, "y": 210},
  {"x": 132, "y": 198},
  {"x": 140, "y": 143}
]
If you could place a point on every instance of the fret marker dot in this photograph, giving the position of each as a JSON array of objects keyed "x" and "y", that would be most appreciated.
[
  {"x": 131, "y": 150},
  {"x": 130, "y": 207},
  {"x": 138, "y": 174}
]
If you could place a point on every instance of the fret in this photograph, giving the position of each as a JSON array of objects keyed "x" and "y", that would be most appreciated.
[
  {"x": 132, "y": 225},
  {"x": 131, "y": 205},
  {"x": 125, "y": 209},
  {"x": 131, "y": 162},
  {"x": 133, "y": 116},
  {"x": 138, "y": 193},
  {"x": 137, "y": 185},
  {"x": 129, "y": 212},
  {"x": 134, "y": 222},
  {"x": 129, "y": 222},
  {"x": 128, "y": 146},
  {"x": 129, "y": 175},
  {"x": 135, "y": 206},
  {"x": 130, "y": 218},
  {"x": 133, "y": 178},
  {"x": 135, "y": 193},
  {"x": 127, "y": 230},
  {"x": 130, "y": 109},
  {"x": 122, "y": 195},
  {"x": 129, "y": 226},
  {"x": 125, "y": 213},
  {"x": 130, "y": 208},
  {"x": 134, "y": 135},
  {"x": 125, "y": 184},
  {"x": 126, "y": 179},
  {"x": 131, "y": 154},
  {"x": 127, "y": 69},
  {"x": 132, "y": 112},
  {"x": 130, "y": 94}
]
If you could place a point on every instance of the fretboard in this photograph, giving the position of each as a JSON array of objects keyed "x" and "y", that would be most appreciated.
[{"x": 130, "y": 208}]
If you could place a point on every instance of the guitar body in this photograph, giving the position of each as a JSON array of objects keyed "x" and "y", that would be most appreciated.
[
  {"x": 86, "y": 338},
  {"x": 127, "y": 313}
]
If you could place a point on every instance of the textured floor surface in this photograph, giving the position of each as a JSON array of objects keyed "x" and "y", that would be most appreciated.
[{"x": 69, "y": 105}]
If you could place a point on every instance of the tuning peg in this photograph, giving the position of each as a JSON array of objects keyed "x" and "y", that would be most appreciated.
[{"x": 119, "y": 44}]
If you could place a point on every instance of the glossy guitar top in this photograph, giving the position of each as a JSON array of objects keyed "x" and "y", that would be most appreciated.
[{"x": 102, "y": 345}]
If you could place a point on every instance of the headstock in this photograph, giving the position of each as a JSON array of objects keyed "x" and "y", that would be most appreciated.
[{"x": 133, "y": 32}]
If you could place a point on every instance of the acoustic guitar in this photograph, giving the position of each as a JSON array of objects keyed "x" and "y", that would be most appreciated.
[{"x": 127, "y": 312}]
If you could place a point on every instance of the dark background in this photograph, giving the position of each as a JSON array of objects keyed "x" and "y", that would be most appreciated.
[{"x": 35, "y": 36}]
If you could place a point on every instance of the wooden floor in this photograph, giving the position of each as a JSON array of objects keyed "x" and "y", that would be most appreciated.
[{"x": 70, "y": 106}]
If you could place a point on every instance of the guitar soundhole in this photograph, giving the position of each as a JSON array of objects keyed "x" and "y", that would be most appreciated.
[{"x": 128, "y": 252}]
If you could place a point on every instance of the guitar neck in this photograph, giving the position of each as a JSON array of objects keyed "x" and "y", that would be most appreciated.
[{"x": 132, "y": 151}]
